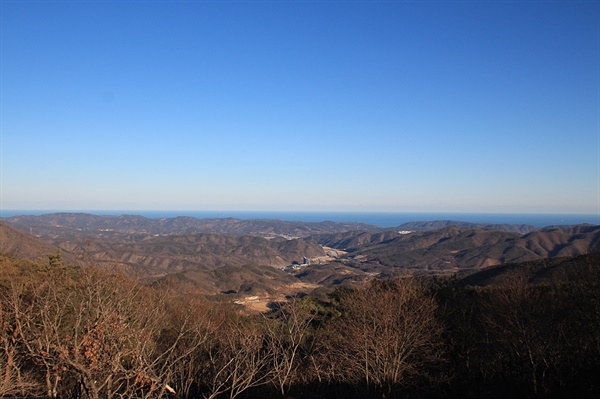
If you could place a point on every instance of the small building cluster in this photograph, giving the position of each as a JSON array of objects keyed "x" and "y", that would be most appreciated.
[{"x": 295, "y": 265}]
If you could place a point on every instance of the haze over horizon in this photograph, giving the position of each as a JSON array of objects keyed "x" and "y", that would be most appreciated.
[{"x": 300, "y": 106}]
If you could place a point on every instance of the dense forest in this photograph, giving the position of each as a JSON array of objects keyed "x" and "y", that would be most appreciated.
[{"x": 87, "y": 332}]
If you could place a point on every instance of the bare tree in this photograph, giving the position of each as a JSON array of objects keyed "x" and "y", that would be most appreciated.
[
  {"x": 14, "y": 380},
  {"x": 39, "y": 323},
  {"x": 527, "y": 330},
  {"x": 288, "y": 339},
  {"x": 191, "y": 326},
  {"x": 388, "y": 335},
  {"x": 238, "y": 358},
  {"x": 90, "y": 332}
]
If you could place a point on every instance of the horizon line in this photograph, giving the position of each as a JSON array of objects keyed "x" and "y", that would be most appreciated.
[{"x": 50, "y": 210}]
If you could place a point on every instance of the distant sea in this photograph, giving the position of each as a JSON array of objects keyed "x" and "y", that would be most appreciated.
[{"x": 382, "y": 219}]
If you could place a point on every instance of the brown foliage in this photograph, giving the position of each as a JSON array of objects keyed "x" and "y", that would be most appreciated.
[
  {"x": 387, "y": 336},
  {"x": 88, "y": 333}
]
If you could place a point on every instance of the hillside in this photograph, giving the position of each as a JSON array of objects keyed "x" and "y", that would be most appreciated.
[
  {"x": 452, "y": 249},
  {"x": 235, "y": 282},
  {"x": 21, "y": 245},
  {"x": 354, "y": 240},
  {"x": 582, "y": 268}
]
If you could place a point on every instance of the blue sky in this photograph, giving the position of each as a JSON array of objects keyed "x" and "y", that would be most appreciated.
[{"x": 466, "y": 106}]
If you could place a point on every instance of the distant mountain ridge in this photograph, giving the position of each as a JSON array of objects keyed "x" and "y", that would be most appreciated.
[
  {"x": 74, "y": 225},
  {"x": 78, "y": 224},
  {"x": 439, "y": 224}
]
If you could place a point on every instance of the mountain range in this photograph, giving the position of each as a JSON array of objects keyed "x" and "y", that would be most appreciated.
[
  {"x": 237, "y": 257},
  {"x": 76, "y": 225}
]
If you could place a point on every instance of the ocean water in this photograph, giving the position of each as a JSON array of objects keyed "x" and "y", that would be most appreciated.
[{"x": 382, "y": 219}]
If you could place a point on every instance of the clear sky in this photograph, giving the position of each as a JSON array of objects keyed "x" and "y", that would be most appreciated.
[{"x": 467, "y": 106}]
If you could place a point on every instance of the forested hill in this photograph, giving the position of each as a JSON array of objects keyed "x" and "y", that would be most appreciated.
[{"x": 459, "y": 248}]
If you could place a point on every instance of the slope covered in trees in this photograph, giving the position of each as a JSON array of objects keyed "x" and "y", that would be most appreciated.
[
  {"x": 453, "y": 248},
  {"x": 84, "y": 332}
]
